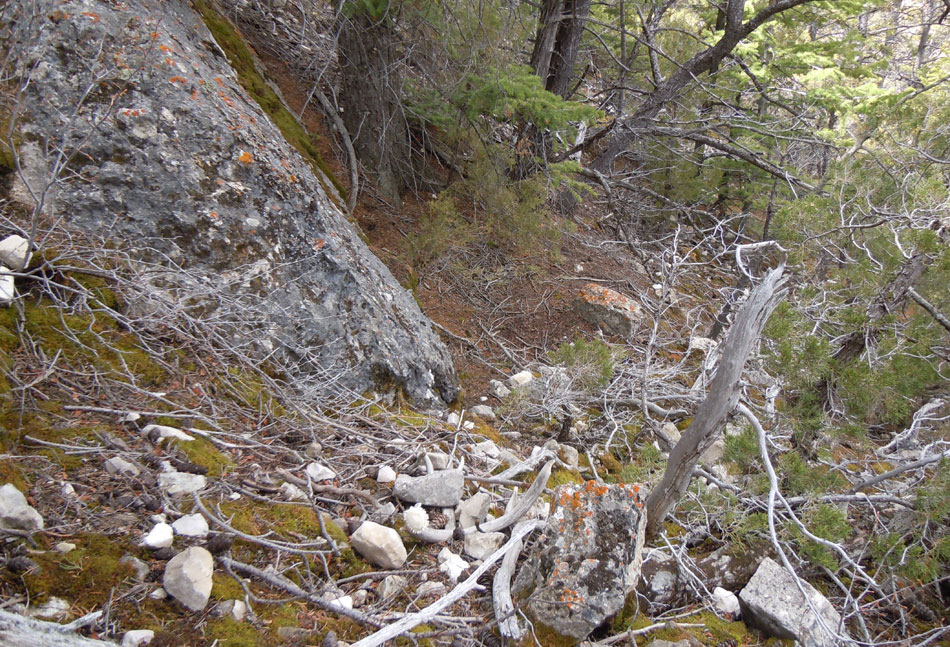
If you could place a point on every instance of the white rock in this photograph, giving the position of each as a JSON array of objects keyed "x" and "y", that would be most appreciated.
[
  {"x": 15, "y": 251},
  {"x": 416, "y": 518},
  {"x": 158, "y": 594},
  {"x": 383, "y": 513},
  {"x": 453, "y": 419},
  {"x": 68, "y": 491},
  {"x": 379, "y": 544},
  {"x": 7, "y": 286},
  {"x": 161, "y": 536},
  {"x": 292, "y": 492},
  {"x": 391, "y": 585},
  {"x": 430, "y": 589},
  {"x": 468, "y": 425},
  {"x": 137, "y": 637},
  {"x": 181, "y": 482},
  {"x": 486, "y": 448},
  {"x": 473, "y": 511},
  {"x": 703, "y": 344},
  {"x": 569, "y": 455},
  {"x": 341, "y": 602},
  {"x": 239, "y": 610},
  {"x": 359, "y": 597},
  {"x": 118, "y": 465},
  {"x": 498, "y": 389},
  {"x": 726, "y": 602},
  {"x": 64, "y": 547},
  {"x": 166, "y": 432},
  {"x": 438, "y": 460},
  {"x": 139, "y": 568},
  {"x": 320, "y": 472},
  {"x": 520, "y": 379},
  {"x": 52, "y": 609},
  {"x": 191, "y": 525},
  {"x": 314, "y": 450},
  {"x": 482, "y": 544},
  {"x": 385, "y": 474},
  {"x": 451, "y": 564},
  {"x": 483, "y": 411},
  {"x": 16, "y": 513},
  {"x": 188, "y": 577},
  {"x": 159, "y": 518},
  {"x": 672, "y": 432},
  {"x": 131, "y": 416}
]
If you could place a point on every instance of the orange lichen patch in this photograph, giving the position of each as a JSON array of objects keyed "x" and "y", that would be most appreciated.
[
  {"x": 219, "y": 81},
  {"x": 166, "y": 49},
  {"x": 178, "y": 79},
  {"x": 156, "y": 35},
  {"x": 317, "y": 244},
  {"x": 225, "y": 98},
  {"x": 245, "y": 157},
  {"x": 132, "y": 112},
  {"x": 600, "y": 295},
  {"x": 92, "y": 16},
  {"x": 169, "y": 62}
]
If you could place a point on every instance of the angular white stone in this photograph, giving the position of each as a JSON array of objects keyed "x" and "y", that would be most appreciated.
[
  {"x": 342, "y": 602},
  {"x": 191, "y": 525},
  {"x": 451, "y": 564},
  {"x": 569, "y": 455},
  {"x": 15, "y": 252},
  {"x": 188, "y": 577},
  {"x": 379, "y": 544},
  {"x": 161, "y": 536},
  {"x": 64, "y": 547},
  {"x": 453, "y": 419},
  {"x": 7, "y": 286},
  {"x": 474, "y": 510},
  {"x": 239, "y": 610},
  {"x": 391, "y": 585},
  {"x": 498, "y": 389},
  {"x": 320, "y": 472},
  {"x": 430, "y": 589},
  {"x": 482, "y": 544},
  {"x": 703, "y": 344},
  {"x": 292, "y": 492},
  {"x": 16, "y": 513},
  {"x": 726, "y": 601},
  {"x": 118, "y": 465},
  {"x": 520, "y": 379},
  {"x": 483, "y": 411},
  {"x": 52, "y": 609},
  {"x": 385, "y": 474},
  {"x": 158, "y": 594},
  {"x": 181, "y": 482},
  {"x": 137, "y": 637},
  {"x": 166, "y": 432}
]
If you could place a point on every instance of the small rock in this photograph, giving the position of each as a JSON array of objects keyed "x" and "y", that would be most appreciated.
[
  {"x": 293, "y": 493},
  {"x": 16, "y": 513},
  {"x": 498, "y": 389},
  {"x": 330, "y": 640},
  {"x": 293, "y": 634},
  {"x": 314, "y": 450},
  {"x": 163, "y": 432},
  {"x": 139, "y": 568},
  {"x": 181, "y": 482},
  {"x": 438, "y": 460},
  {"x": 22, "y": 564},
  {"x": 569, "y": 455},
  {"x": 52, "y": 609},
  {"x": 188, "y": 577},
  {"x": 726, "y": 603},
  {"x": 320, "y": 472},
  {"x": 164, "y": 554},
  {"x": 430, "y": 589},
  {"x": 219, "y": 543},
  {"x": 392, "y": 585},
  {"x": 714, "y": 453},
  {"x": 666, "y": 643},
  {"x": 486, "y": 449},
  {"x": 15, "y": 252},
  {"x": 613, "y": 312},
  {"x": 158, "y": 594},
  {"x": 672, "y": 432},
  {"x": 520, "y": 379},
  {"x": 137, "y": 637},
  {"x": 64, "y": 547},
  {"x": 239, "y": 610},
  {"x": 379, "y": 544},
  {"x": 703, "y": 344},
  {"x": 483, "y": 411},
  {"x": 451, "y": 564},
  {"x": 385, "y": 474},
  {"x": 7, "y": 285},
  {"x": 482, "y": 544},
  {"x": 453, "y": 419},
  {"x": 442, "y": 488},
  {"x": 161, "y": 536},
  {"x": 383, "y": 513},
  {"x": 359, "y": 597},
  {"x": 473, "y": 511},
  {"x": 118, "y": 465},
  {"x": 468, "y": 425},
  {"x": 340, "y": 601},
  {"x": 191, "y": 525}
]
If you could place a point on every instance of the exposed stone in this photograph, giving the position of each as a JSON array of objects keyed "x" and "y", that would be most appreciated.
[
  {"x": 181, "y": 482},
  {"x": 161, "y": 536},
  {"x": 486, "y": 449},
  {"x": 320, "y": 472},
  {"x": 383, "y": 513},
  {"x": 672, "y": 432},
  {"x": 188, "y": 577},
  {"x": 7, "y": 285},
  {"x": 294, "y": 634},
  {"x": 379, "y": 544},
  {"x": 430, "y": 589},
  {"x": 158, "y": 594},
  {"x": 191, "y": 170},
  {"x": 64, "y": 547},
  {"x": 483, "y": 411},
  {"x": 164, "y": 431},
  {"x": 659, "y": 580},
  {"x": 453, "y": 419},
  {"x": 292, "y": 492},
  {"x": 359, "y": 597},
  {"x": 438, "y": 460},
  {"x": 385, "y": 474},
  {"x": 442, "y": 488},
  {"x": 53, "y": 609},
  {"x": 473, "y": 511},
  {"x": 613, "y": 312},
  {"x": 191, "y": 525},
  {"x": 482, "y": 544},
  {"x": 726, "y": 602},
  {"x": 118, "y": 465},
  {"x": 391, "y": 586},
  {"x": 139, "y": 568},
  {"x": 15, "y": 252},
  {"x": 587, "y": 561},
  {"x": 520, "y": 378},
  {"x": 498, "y": 389},
  {"x": 137, "y": 637},
  {"x": 569, "y": 455},
  {"x": 703, "y": 344},
  {"x": 451, "y": 564},
  {"x": 16, "y": 513},
  {"x": 314, "y": 450},
  {"x": 773, "y": 602}
]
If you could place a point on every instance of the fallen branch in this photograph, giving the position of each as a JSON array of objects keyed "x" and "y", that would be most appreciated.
[
  {"x": 30, "y": 632},
  {"x": 524, "y": 503},
  {"x": 501, "y": 592}
]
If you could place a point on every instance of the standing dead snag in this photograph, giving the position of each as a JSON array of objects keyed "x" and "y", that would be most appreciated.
[{"x": 720, "y": 400}]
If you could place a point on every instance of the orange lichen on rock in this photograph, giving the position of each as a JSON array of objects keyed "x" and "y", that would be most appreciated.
[{"x": 245, "y": 157}]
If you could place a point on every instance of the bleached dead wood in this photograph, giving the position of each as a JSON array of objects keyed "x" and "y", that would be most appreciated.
[
  {"x": 406, "y": 623},
  {"x": 508, "y": 624},
  {"x": 22, "y": 631},
  {"x": 514, "y": 514}
]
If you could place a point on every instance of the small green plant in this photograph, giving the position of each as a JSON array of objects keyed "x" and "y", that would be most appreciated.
[
  {"x": 591, "y": 362},
  {"x": 828, "y": 522}
]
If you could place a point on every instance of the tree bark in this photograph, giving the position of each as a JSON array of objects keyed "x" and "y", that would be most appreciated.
[
  {"x": 720, "y": 401},
  {"x": 561, "y": 25}
]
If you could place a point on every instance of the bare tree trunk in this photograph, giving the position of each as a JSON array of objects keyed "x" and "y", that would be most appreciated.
[
  {"x": 720, "y": 400},
  {"x": 29, "y": 632}
]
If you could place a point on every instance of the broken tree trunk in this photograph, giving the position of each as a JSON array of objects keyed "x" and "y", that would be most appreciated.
[
  {"x": 720, "y": 400},
  {"x": 29, "y": 632}
]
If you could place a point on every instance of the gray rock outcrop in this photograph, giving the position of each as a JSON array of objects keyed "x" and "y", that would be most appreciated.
[
  {"x": 773, "y": 602},
  {"x": 442, "y": 488},
  {"x": 182, "y": 168},
  {"x": 587, "y": 561}
]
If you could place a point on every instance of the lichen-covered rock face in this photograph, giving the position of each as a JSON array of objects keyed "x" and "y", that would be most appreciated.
[
  {"x": 587, "y": 561},
  {"x": 175, "y": 163}
]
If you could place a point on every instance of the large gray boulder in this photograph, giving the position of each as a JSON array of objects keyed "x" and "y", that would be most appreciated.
[
  {"x": 587, "y": 561},
  {"x": 773, "y": 602},
  {"x": 179, "y": 166}
]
